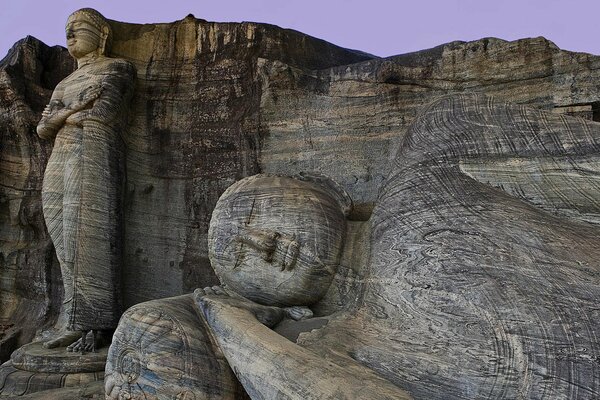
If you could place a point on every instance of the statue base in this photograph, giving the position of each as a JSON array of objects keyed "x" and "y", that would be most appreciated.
[{"x": 33, "y": 368}]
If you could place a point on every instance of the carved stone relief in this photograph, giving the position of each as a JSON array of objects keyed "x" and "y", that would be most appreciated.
[{"x": 466, "y": 267}]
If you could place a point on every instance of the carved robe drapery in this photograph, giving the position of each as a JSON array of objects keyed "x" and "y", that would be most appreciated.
[{"x": 82, "y": 193}]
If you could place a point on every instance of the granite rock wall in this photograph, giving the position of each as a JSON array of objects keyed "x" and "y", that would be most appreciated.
[
  {"x": 216, "y": 102},
  {"x": 30, "y": 284},
  {"x": 195, "y": 129},
  {"x": 347, "y": 121}
]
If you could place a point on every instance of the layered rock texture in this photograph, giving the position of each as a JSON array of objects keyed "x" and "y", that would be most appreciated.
[
  {"x": 195, "y": 129},
  {"x": 483, "y": 277},
  {"x": 482, "y": 280},
  {"x": 30, "y": 286},
  {"x": 215, "y": 102}
]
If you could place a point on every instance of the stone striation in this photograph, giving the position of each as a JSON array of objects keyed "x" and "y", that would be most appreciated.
[
  {"x": 84, "y": 177},
  {"x": 219, "y": 101},
  {"x": 484, "y": 273},
  {"x": 162, "y": 350},
  {"x": 348, "y": 121},
  {"x": 195, "y": 129},
  {"x": 278, "y": 240},
  {"x": 30, "y": 286},
  {"x": 482, "y": 280}
]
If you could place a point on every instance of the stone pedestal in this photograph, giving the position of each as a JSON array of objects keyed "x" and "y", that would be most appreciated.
[{"x": 33, "y": 368}]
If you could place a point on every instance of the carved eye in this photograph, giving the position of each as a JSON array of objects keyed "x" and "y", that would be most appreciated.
[{"x": 291, "y": 255}]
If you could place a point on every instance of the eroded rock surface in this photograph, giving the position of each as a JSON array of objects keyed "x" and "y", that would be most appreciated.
[
  {"x": 348, "y": 121},
  {"x": 219, "y": 101},
  {"x": 30, "y": 285},
  {"x": 483, "y": 280},
  {"x": 194, "y": 130}
]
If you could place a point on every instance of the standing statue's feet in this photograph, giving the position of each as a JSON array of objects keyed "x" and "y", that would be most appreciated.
[
  {"x": 91, "y": 342},
  {"x": 210, "y": 297},
  {"x": 64, "y": 339}
]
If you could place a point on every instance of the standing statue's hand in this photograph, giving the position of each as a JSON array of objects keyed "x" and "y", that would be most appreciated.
[
  {"x": 78, "y": 117},
  {"x": 87, "y": 96},
  {"x": 52, "y": 107}
]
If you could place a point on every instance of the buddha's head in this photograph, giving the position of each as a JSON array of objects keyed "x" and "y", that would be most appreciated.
[
  {"x": 277, "y": 240},
  {"x": 87, "y": 32}
]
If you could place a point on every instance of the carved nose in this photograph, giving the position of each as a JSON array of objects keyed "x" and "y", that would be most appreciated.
[
  {"x": 70, "y": 34},
  {"x": 263, "y": 241}
]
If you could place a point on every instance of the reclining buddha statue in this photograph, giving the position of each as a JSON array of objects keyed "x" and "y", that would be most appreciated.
[{"x": 479, "y": 276}]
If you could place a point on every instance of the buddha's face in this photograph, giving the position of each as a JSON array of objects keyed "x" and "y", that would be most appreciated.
[
  {"x": 83, "y": 37},
  {"x": 276, "y": 240}
]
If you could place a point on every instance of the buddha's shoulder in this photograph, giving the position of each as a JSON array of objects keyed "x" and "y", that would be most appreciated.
[{"x": 119, "y": 65}]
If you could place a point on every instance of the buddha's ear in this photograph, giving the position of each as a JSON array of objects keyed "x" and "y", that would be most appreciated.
[
  {"x": 104, "y": 39},
  {"x": 333, "y": 188}
]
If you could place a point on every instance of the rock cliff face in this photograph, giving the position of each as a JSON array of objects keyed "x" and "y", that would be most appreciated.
[
  {"x": 30, "y": 283},
  {"x": 216, "y": 102},
  {"x": 195, "y": 129},
  {"x": 347, "y": 121}
]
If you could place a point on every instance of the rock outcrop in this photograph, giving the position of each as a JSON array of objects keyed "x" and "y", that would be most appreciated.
[
  {"x": 30, "y": 285},
  {"x": 219, "y": 101},
  {"x": 348, "y": 121}
]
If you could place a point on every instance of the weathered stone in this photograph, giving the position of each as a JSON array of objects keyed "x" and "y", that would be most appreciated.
[
  {"x": 163, "y": 350},
  {"x": 347, "y": 122},
  {"x": 277, "y": 240},
  {"x": 19, "y": 383},
  {"x": 193, "y": 132},
  {"x": 82, "y": 390},
  {"x": 35, "y": 357},
  {"x": 83, "y": 181},
  {"x": 196, "y": 129},
  {"x": 30, "y": 285},
  {"x": 483, "y": 276},
  {"x": 482, "y": 280},
  {"x": 217, "y": 102}
]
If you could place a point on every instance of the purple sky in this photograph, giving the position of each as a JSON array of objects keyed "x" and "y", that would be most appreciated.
[{"x": 380, "y": 27}]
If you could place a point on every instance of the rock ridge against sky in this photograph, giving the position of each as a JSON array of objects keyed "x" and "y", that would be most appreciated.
[{"x": 380, "y": 27}]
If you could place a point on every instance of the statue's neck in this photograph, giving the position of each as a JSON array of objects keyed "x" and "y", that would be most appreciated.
[{"x": 89, "y": 59}]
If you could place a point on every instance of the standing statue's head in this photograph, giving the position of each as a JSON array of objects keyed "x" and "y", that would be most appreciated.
[
  {"x": 87, "y": 32},
  {"x": 278, "y": 240}
]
